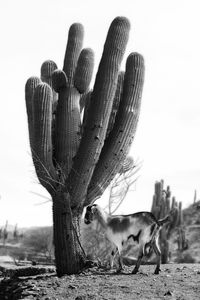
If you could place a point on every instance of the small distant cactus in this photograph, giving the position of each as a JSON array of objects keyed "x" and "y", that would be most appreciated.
[
  {"x": 163, "y": 205},
  {"x": 5, "y": 233},
  {"x": 16, "y": 233},
  {"x": 76, "y": 158}
]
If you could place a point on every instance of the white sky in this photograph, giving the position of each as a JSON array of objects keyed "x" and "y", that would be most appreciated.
[{"x": 166, "y": 32}]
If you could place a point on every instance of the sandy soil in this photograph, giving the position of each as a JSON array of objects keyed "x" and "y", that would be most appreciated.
[{"x": 176, "y": 281}]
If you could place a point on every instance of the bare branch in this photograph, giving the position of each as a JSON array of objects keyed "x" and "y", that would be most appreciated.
[{"x": 122, "y": 183}]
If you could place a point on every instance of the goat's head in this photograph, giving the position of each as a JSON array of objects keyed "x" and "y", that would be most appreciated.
[{"x": 91, "y": 212}]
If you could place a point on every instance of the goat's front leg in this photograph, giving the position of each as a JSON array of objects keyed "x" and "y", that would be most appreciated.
[
  {"x": 120, "y": 263},
  {"x": 112, "y": 257},
  {"x": 138, "y": 263}
]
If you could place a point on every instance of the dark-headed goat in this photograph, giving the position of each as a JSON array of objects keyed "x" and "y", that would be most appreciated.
[{"x": 142, "y": 227}]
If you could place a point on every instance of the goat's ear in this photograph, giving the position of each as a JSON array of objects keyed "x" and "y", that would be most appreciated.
[
  {"x": 94, "y": 208},
  {"x": 91, "y": 208}
]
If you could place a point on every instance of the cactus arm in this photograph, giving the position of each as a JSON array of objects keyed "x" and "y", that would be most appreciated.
[
  {"x": 116, "y": 102},
  {"x": 156, "y": 208},
  {"x": 30, "y": 87},
  {"x": 180, "y": 213},
  {"x": 84, "y": 70},
  {"x": 118, "y": 143},
  {"x": 67, "y": 128},
  {"x": 59, "y": 80},
  {"x": 47, "y": 69},
  {"x": 74, "y": 45},
  {"x": 99, "y": 111},
  {"x": 42, "y": 144}
]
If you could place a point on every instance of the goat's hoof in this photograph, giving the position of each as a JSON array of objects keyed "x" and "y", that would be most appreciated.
[
  {"x": 118, "y": 271},
  {"x": 157, "y": 270},
  {"x": 134, "y": 271}
]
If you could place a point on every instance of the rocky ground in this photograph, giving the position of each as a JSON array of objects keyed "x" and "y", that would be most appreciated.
[{"x": 176, "y": 281}]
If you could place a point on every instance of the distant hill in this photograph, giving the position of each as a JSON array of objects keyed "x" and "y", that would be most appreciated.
[
  {"x": 191, "y": 214},
  {"x": 9, "y": 227},
  {"x": 191, "y": 222}
]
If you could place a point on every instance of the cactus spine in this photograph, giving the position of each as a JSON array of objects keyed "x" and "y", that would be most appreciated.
[{"x": 76, "y": 159}]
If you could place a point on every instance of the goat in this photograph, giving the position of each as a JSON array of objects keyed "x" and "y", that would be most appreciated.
[{"x": 142, "y": 227}]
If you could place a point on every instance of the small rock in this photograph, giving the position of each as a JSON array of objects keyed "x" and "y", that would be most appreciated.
[
  {"x": 70, "y": 286},
  {"x": 138, "y": 293},
  {"x": 81, "y": 297},
  {"x": 72, "y": 277},
  {"x": 43, "y": 293},
  {"x": 168, "y": 293},
  {"x": 29, "y": 293},
  {"x": 57, "y": 283},
  {"x": 168, "y": 270},
  {"x": 49, "y": 284}
]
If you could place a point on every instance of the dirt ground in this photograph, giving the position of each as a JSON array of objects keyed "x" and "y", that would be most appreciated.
[{"x": 176, "y": 281}]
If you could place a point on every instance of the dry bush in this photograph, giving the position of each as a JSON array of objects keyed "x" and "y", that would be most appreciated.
[
  {"x": 184, "y": 257},
  {"x": 39, "y": 241}
]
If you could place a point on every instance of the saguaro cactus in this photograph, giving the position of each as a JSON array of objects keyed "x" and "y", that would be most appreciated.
[
  {"x": 76, "y": 158},
  {"x": 161, "y": 206}
]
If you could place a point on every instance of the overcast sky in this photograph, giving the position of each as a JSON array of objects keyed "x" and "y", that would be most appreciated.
[{"x": 166, "y": 32}]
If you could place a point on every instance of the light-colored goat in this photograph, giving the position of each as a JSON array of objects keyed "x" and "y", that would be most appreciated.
[{"x": 142, "y": 227}]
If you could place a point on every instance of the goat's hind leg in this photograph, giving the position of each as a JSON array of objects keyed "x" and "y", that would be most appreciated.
[{"x": 158, "y": 256}]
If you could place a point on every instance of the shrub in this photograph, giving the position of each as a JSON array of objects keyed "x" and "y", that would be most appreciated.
[{"x": 185, "y": 257}]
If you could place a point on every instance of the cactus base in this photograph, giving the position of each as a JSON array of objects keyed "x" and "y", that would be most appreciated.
[{"x": 69, "y": 255}]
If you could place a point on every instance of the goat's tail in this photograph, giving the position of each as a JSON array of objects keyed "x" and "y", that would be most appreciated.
[
  {"x": 161, "y": 222},
  {"x": 168, "y": 218}
]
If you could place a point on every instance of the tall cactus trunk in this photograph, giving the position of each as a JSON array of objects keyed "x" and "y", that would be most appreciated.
[{"x": 69, "y": 255}]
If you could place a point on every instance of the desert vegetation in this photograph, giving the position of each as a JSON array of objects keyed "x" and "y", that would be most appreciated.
[
  {"x": 28, "y": 246},
  {"x": 32, "y": 254},
  {"x": 179, "y": 240}
]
